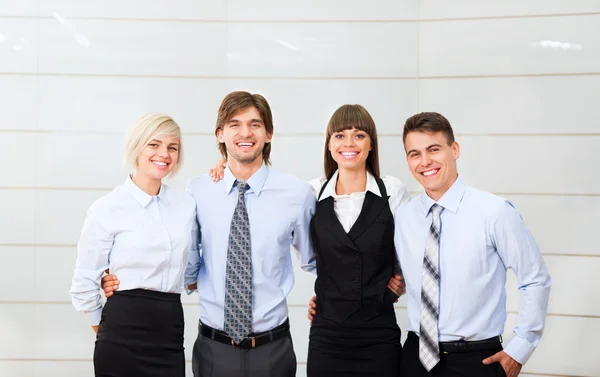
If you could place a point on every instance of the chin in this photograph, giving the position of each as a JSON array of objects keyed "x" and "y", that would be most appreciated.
[{"x": 160, "y": 175}]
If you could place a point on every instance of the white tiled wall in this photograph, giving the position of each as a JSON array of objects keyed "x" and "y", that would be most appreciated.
[{"x": 517, "y": 79}]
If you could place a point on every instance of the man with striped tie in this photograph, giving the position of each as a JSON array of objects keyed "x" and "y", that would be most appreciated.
[{"x": 454, "y": 244}]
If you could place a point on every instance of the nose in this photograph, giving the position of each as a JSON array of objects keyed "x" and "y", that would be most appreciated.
[
  {"x": 349, "y": 141},
  {"x": 245, "y": 131},
  {"x": 163, "y": 151},
  {"x": 425, "y": 160}
]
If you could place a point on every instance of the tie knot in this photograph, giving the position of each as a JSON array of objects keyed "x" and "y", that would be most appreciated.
[
  {"x": 436, "y": 209},
  {"x": 241, "y": 186}
]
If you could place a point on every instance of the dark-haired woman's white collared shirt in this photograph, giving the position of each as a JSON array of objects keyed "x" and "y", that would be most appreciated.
[{"x": 348, "y": 207}]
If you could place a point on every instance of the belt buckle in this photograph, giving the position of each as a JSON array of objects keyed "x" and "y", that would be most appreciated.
[{"x": 253, "y": 342}]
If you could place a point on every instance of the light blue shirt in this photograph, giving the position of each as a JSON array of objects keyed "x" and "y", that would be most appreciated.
[
  {"x": 482, "y": 236},
  {"x": 144, "y": 240},
  {"x": 280, "y": 208}
]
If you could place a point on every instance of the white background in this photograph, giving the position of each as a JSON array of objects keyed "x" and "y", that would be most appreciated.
[{"x": 519, "y": 81}]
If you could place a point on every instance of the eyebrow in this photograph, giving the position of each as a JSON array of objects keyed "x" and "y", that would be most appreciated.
[
  {"x": 429, "y": 147},
  {"x": 159, "y": 141},
  {"x": 353, "y": 129},
  {"x": 251, "y": 120}
]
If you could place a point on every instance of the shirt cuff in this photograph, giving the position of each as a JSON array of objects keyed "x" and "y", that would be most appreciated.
[
  {"x": 94, "y": 317},
  {"x": 519, "y": 349}
]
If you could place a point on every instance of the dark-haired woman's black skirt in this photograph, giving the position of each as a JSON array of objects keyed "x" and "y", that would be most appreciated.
[
  {"x": 140, "y": 334},
  {"x": 356, "y": 347}
]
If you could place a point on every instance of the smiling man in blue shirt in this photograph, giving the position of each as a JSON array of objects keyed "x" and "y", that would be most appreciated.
[
  {"x": 455, "y": 244},
  {"x": 245, "y": 273}
]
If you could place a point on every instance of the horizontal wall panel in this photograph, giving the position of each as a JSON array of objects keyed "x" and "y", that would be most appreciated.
[
  {"x": 54, "y": 268},
  {"x": 318, "y": 10},
  {"x": 17, "y": 223},
  {"x": 157, "y": 9},
  {"x": 236, "y": 49},
  {"x": 322, "y": 49},
  {"x": 18, "y": 329},
  {"x": 568, "y": 230},
  {"x": 80, "y": 160},
  {"x": 531, "y": 164},
  {"x": 509, "y": 46},
  {"x": 431, "y": 9},
  {"x": 18, "y": 45},
  {"x": 60, "y": 214},
  {"x": 576, "y": 339},
  {"x": 18, "y": 278},
  {"x": 18, "y": 8},
  {"x": 514, "y": 105},
  {"x": 568, "y": 273},
  {"x": 132, "y": 47},
  {"x": 18, "y": 102},
  {"x": 102, "y": 104},
  {"x": 20, "y": 169},
  {"x": 113, "y": 104},
  {"x": 47, "y": 368}
]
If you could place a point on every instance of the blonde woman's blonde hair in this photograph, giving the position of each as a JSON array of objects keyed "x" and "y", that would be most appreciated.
[{"x": 147, "y": 128}]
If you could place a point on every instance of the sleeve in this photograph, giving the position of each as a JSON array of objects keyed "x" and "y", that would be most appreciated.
[
  {"x": 519, "y": 252},
  {"x": 195, "y": 256},
  {"x": 317, "y": 185},
  {"x": 301, "y": 241},
  {"x": 397, "y": 191},
  {"x": 93, "y": 251},
  {"x": 398, "y": 195}
]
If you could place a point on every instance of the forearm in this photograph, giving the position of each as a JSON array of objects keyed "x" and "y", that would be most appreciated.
[{"x": 531, "y": 320}]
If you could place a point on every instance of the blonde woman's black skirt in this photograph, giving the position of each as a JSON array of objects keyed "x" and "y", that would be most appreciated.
[{"x": 140, "y": 334}]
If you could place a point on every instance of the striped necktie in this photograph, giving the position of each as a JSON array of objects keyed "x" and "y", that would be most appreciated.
[{"x": 429, "y": 349}]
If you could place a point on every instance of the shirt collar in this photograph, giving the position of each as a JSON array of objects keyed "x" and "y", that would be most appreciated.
[
  {"x": 141, "y": 196},
  {"x": 256, "y": 181},
  {"x": 330, "y": 188},
  {"x": 450, "y": 200}
]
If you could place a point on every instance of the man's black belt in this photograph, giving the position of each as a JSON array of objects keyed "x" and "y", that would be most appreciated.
[
  {"x": 461, "y": 346},
  {"x": 253, "y": 340},
  {"x": 471, "y": 345}
]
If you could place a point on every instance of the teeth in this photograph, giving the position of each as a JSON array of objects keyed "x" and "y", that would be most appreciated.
[
  {"x": 160, "y": 163},
  {"x": 429, "y": 172},
  {"x": 245, "y": 144},
  {"x": 349, "y": 154}
]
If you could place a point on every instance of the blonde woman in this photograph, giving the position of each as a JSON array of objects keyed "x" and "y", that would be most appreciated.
[{"x": 142, "y": 232}]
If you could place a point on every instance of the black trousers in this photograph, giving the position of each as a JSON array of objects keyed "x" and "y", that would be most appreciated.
[
  {"x": 211, "y": 358},
  {"x": 463, "y": 364},
  {"x": 140, "y": 335}
]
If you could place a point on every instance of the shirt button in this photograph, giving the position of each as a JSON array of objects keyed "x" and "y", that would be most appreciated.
[
  {"x": 357, "y": 267},
  {"x": 357, "y": 256},
  {"x": 357, "y": 303},
  {"x": 356, "y": 291},
  {"x": 356, "y": 280}
]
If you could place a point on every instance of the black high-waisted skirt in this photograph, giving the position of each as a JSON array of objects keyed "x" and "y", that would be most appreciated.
[{"x": 140, "y": 334}]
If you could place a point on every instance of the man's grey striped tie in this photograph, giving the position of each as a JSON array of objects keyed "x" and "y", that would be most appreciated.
[
  {"x": 429, "y": 348},
  {"x": 238, "y": 275}
]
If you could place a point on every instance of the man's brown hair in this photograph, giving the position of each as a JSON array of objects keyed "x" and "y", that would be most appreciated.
[
  {"x": 233, "y": 104},
  {"x": 429, "y": 123}
]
